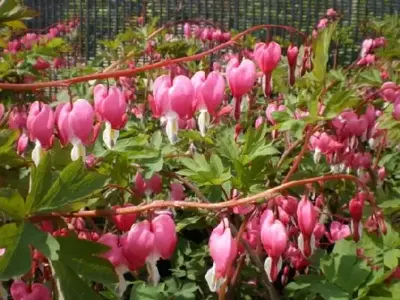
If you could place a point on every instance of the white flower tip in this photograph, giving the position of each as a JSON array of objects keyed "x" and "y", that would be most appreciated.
[
  {"x": 300, "y": 243},
  {"x": 122, "y": 284},
  {"x": 78, "y": 150},
  {"x": 213, "y": 283},
  {"x": 110, "y": 136},
  {"x": 172, "y": 130},
  {"x": 203, "y": 122},
  {"x": 37, "y": 153},
  {"x": 151, "y": 264},
  {"x": 268, "y": 266}
]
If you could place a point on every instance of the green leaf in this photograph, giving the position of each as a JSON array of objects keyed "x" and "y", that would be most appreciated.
[
  {"x": 390, "y": 258},
  {"x": 339, "y": 101},
  {"x": 351, "y": 274},
  {"x": 17, "y": 259},
  {"x": 226, "y": 145},
  {"x": 8, "y": 155},
  {"x": 12, "y": 203},
  {"x": 156, "y": 140},
  {"x": 371, "y": 76},
  {"x": 345, "y": 247},
  {"x": 216, "y": 165},
  {"x": 16, "y": 238},
  {"x": 147, "y": 292},
  {"x": 74, "y": 183},
  {"x": 329, "y": 291},
  {"x": 152, "y": 165},
  {"x": 395, "y": 203},
  {"x": 321, "y": 52},
  {"x": 83, "y": 258},
  {"x": 74, "y": 246},
  {"x": 187, "y": 222},
  {"x": 70, "y": 285},
  {"x": 41, "y": 183}
]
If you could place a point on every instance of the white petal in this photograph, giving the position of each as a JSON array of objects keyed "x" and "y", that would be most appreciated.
[
  {"x": 360, "y": 230},
  {"x": 279, "y": 266},
  {"x": 172, "y": 130},
  {"x": 151, "y": 264},
  {"x": 3, "y": 292},
  {"x": 213, "y": 283},
  {"x": 78, "y": 150},
  {"x": 37, "y": 153},
  {"x": 268, "y": 266},
  {"x": 300, "y": 243},
  {"x": 312, "y": 243},
  {"x": 110, "y": 136},
  {"x": 122, "y": 285},
  {"x": 317, "y": 155},
  {"x": 203, "y": 122}
]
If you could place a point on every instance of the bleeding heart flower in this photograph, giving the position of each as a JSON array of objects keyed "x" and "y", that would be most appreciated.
[
  {"x": 75, "y": 126},
  {"x": 306, "y": 219},
  {"x": 292, "y": 54},
  {"x": 356, "y": 206},
  {"x": 165, "y": 238},
  {"x": 173, "y": 100},
  {"x": 339, "y": 231},
  {"x": 177, "y": 192},
  {"x": 209, "y": 95},
  {"x": 124, "y": 222},
  {"x": 110, "y": 105},
  {"x": 241, "y": 78},
  {"x": 223, "y": 250},
  {"x": 17, "y": 118},
  {"x": 138, "y": 244},
  {"x": 37, "y": 291},
  {"x": 40, "y": 124},
  {"x": 267, "y": 55},
  {"x": 275, "y": 239},
  {"x": 41, "y": 64}
]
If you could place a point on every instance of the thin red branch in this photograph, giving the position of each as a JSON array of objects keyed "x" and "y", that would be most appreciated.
[
  {"x": 131, "y": 72},
  {"x": 380, "y": 150},
  {"x": 160, "y": 204},
  {"x": 299, "y": 157}
]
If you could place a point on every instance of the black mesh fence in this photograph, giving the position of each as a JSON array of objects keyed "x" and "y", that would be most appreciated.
[{"x": 103, "y": 19}]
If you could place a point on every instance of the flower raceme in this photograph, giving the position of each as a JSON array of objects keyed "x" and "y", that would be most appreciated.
[
  {"x": 173, "y": 99},
  {"x": 209, "y": 93},
  {"x": 110, "y": 106},
  {"x": 267, "y": 56}
]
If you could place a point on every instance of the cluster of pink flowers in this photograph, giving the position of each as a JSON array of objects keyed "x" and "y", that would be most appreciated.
[
  {"x": 368, "y": 46},
  {"x": 143, "y": 242},
  {"x": 288, "y": 230},
  {"x": 205, "y": 34},
  {"x": 72, "y": 123},
  {"x": 27, "y": 41},
  {"x": 341, "y": 148}
]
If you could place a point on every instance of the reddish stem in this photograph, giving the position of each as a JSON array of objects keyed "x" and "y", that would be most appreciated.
[
  {"x": 160, "y": 204},
  {"x": 300, "y": 155}
]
